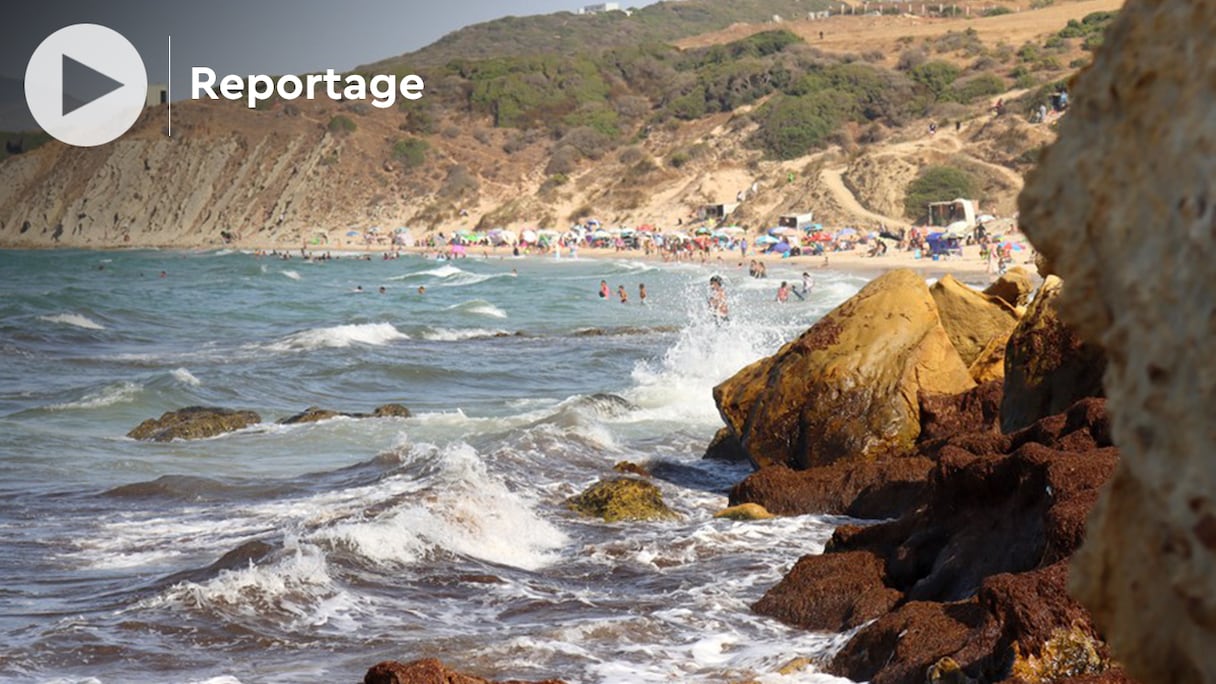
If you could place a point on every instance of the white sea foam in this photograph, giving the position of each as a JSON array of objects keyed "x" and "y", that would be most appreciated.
[
  {"x": 463, "y": 509},
  {"x": 117, "y": 393},
  {"x": 479, "y": 307},
  {"x": 456, "y": 334},
  {"x": 340, "y": 336},
  {"x": 294, "y": 275},
  {"x": 74, "y": 319},
  {"x": 185, "y": 377}
]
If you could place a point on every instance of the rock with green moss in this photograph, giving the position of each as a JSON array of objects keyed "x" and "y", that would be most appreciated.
[
  {"x": 193, "y": 422},
  {"x": 622, "y": 498}
]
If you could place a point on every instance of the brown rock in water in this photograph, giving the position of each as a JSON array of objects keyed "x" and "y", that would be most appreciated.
[
  {"x": 391, "y": 411},
  {"x": 977, "y": 571},
  {"x": 622, "y": 498},
  {"x": 745, "y": 512},
  {"x": 429, "y": 671},
  {"x": 1123, "y": 206},
  {"x": 848, "y": 386},
  {"x": 883, "y": 488},
  {"x": 832, "y": 592},
  {"x": 1013, "y": 287},
  {"x": 725, "y": 446},
  {"x": 312, "y": 414},
  {"x": 1047, "y": 365},
  {"x": 972, "y": 319},
  {"x": 193, "y": 422}
]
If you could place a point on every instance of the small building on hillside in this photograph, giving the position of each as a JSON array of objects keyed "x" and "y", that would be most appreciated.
[
  {"x": 158, "y": 94},
  {"x": 601, "y": 8},
  {"x": 796, "y": 221},
  {"x": 716, "y": 212}
]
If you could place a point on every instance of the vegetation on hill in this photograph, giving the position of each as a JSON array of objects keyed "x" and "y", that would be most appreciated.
[
  {"x": 566, "y": 33},
  {"x": 17, "y": 143}
]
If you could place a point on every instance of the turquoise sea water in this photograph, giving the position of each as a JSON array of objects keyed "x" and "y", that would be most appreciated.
[{"x": 353, "y": 541}]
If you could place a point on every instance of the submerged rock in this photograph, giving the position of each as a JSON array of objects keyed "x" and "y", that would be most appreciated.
[
  {"x": 1047, "y": 365},
  {"x": 622, "y": 498},
  {"x": 1124, "y": 208},
  {"x": 848, "y": 386},
  {"x": 429, "y": 671},
  {"x": 312, "y": 414},
  {"x": 193, "y": 422},
  {"x": 744, "y": 512}
]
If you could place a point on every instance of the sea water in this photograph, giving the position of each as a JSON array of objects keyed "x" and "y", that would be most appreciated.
[{"x": 308, "y": 553}]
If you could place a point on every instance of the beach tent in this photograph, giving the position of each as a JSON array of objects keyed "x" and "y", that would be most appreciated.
[
  {"x": 528, "y": 236},
  {"x": 957, "y": 229},
  {"x": 780, "y": 247}
]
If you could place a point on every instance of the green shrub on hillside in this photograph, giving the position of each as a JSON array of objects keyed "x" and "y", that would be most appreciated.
[
  {"x": 936, "y": 77},
  {"x": 976, "y": 87},
  {"x": 937, "y": 184},
  {"x": 997, "y": 11},
  {"x": 791, "y": 126},
  {"x": 341, "y": 125},
  {"x": 411, "y": 152}
]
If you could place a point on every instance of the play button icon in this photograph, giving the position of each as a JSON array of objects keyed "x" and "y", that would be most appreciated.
[{"x": 86, "y": 85}]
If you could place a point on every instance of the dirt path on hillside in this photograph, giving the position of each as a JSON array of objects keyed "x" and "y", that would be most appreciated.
[{"x": 832, "y": 178}]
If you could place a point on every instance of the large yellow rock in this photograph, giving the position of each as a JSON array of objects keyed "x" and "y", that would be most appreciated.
[
  {"x": 848, "y": 386},
  {"x": 1013, "y": 287},
  {"x": 972, "y": 319},
  {"x": 990, "y": 364}
]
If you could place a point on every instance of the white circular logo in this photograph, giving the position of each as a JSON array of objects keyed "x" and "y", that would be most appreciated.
[{"x": 86, "y": 85}]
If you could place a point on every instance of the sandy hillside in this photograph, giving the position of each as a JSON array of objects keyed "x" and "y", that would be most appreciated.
[{"x": 287, "y": 176}]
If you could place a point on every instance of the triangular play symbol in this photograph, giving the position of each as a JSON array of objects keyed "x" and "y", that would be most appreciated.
[{"x": 88, "y": 84}]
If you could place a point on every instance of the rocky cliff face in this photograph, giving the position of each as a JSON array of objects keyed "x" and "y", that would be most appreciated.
[{"x": 1124, "y": 209}]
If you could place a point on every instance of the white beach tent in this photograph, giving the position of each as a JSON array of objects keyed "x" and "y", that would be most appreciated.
[{"x": 528, "y": 236}]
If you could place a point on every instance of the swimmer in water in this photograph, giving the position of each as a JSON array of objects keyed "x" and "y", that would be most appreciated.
[
  {"x": 604, "y": 291},
  {"x": 642, "y": 293},
  {"x": 717, "y": 300},
  {"x": 620, "y": 291}
]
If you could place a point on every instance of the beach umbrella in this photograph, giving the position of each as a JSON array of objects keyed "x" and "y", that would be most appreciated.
[
  {"x": 780, "y": 247},
  {"x": 845, "y": 232},
  {"x": 402, "y": 229},
  {"x": 528, "y": 236},
  {"x": 703, "y": 230},
  {"x": 601, "y": 234},
  {"x": 781, "y": 230},
  {"x": 732, "y": 230},
  {"x": 984, "y": 218},
  {"x": 352, "y": 233},
  {"x": 767, "y": 240},
  {"x": 1015, "y": 246}
]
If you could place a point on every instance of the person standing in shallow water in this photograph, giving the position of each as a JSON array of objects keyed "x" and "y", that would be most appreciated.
[
  {"x": 620, "y": 291},
  {"x": 783, "y": 292},
  {"x": 604, "y": 291},
  {"x": 717, "y": 300},
  {"x": 641, "y": 293}
]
